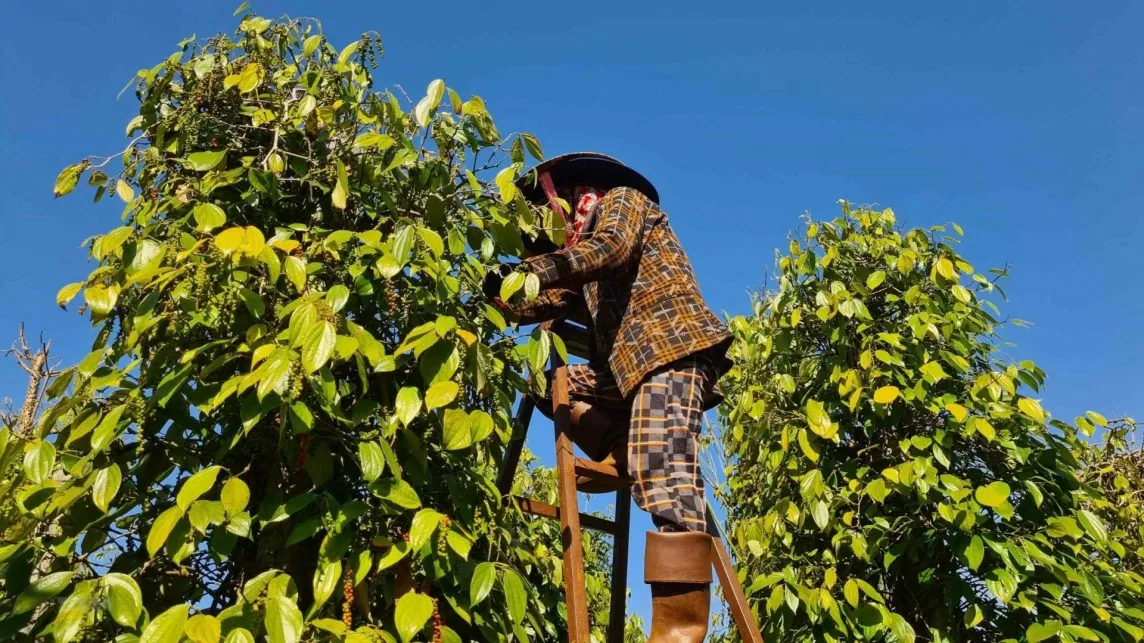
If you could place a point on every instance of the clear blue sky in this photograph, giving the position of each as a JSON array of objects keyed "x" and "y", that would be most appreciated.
[{"x": 1020, "y": 121}]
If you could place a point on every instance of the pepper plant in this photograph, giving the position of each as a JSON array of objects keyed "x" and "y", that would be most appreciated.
[
  {"x": 289, "y": 422},
  {"x": 893, "y": 475}
]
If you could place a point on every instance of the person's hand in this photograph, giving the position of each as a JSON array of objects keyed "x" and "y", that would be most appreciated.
[{"x": 493, "y": 280}]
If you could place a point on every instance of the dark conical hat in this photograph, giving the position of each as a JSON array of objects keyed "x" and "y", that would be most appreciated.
[{"x": 584, "y": 168}]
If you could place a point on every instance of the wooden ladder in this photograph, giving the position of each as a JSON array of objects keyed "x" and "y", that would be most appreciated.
[{"x": 568, "y": 467}]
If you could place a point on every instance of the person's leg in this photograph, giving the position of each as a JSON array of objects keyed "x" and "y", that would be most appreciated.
[
  {"x": 599, "y": 411},
  {"x": 663, "y": 461}
]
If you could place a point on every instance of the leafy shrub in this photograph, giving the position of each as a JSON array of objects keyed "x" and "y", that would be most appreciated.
[{"x": 893, "y": 475}]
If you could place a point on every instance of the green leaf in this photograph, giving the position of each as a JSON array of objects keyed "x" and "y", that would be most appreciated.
[
  {"x": 1042, "y": 631},
  {"x": 441, "y": 394},
  {"x": 515, "y": 595},
  {"x": 337, "y": 297},
  {"x": 432, "y": 240},
  {"x": 1097, "y": 418},
  {"x": 203, "y": 161},
  {"x": 901, "y": 629},
  {"x": 67, "y": 293},
  {"x": 875, "y": 279},
  {"x": 850, "y": 591},
  {"x": 125, "y": 600},
  {"x": 1081, "y": 632},
  {"x": 341, "y": 188},
  {"x": 203, "y": 628},
  {"x": 68, "y": 178},
  {"x": 196, "y": 486},
  {"x": 72, "y": 614},
  {"x": 311, "y": 45},
  {"x": 945, "y": 268},
  {"x": 162, "y": 528},
  {"x": 821, "y": 514},
  {"x": 408, "y": 404},
  {"x": 284, "y": 622},
  {"x": 167, "y": 627},
  {"x": 44, "y": 589},
  {"x": 39, "y": 462},
  {"x": 318, "y": 346},
  {"x": 422, "y": 111},
  {"x": 1031, "y": 408},
  {"x": 886, "y": 394},
  {"x": 435, "y": 92},
  {"x": 209, "y": 216},
  {"x": 877, "y": 490},
  {"x": 457, "y": 429},
  {"x": 105, "y": 486},
  {"x": 481, "y": 425},
  {"x": 459, "y": 544},
  {"x": 325, "y": 582},
  {"x": 397, "y": 492},
  {"x": 1093, "y": 525},
  {"x": 1002, "y": 584},
  {"x": 296, "y": 272},
  {"x": 235, "y": 496},
  {"x": 372, "y": 460},
  {"x": 124, "y": 191},
  {"x": 413, "y": 612},
  {"x": 993, "y": 495},
  {"x": 424, "y": 524},
  {"x": 484, "y": 577},
  {"x": 975, "y": 552},
  {"x": 533, "y": 146},
  {"x": 511, "y": 285}
]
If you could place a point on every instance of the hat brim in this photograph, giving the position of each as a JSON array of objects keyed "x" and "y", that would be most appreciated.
[{"x": 585, "y": 168}]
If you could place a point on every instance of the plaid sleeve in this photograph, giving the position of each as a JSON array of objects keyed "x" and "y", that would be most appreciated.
[
  {"x": 549, "y": 304},
  {"x": 619, "y": 225}
]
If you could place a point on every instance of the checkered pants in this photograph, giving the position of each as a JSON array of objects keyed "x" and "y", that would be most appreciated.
[{"x": 666, "y": 418}]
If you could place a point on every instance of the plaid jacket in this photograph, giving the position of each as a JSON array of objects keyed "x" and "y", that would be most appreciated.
[{"x": 638, "y": 287}]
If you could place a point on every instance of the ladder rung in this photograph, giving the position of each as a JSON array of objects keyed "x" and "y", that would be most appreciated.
[
  {"x": 601, "y": 473},
  {"x": 546, "y": 510}
]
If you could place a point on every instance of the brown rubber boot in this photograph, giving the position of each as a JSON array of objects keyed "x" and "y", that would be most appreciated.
[
  {"x": 678, "y": 568},
  {"x": 603, "y": 440}
]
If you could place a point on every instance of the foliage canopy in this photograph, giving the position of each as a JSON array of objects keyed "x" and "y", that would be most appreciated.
[
  {"x": 893, "y": 474},
  {"x": 289, "y": 422}
]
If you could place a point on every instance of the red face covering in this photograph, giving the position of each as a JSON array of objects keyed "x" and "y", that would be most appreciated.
[{"x": 584, "y": 199}]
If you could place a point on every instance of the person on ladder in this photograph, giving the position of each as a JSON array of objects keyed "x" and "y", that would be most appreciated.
[{"x": 657, "y": 354}]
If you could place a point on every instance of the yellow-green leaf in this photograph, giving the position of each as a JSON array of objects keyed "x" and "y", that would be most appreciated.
[
  {"x": 196, "y": 485},
  {"x": 208, "y": 216},
  {"x": 67, "y": 293},
  {"x": 124, "y": 598},
  {"x": 161, "y": 528},
  {"x": 203, "y": 628},
  {"x": 886, "y": 394},
  {"x": 807, "y": 448},
  {"x": 408, "y": 404},
  {"x": 105, "y": 486},
  {"x": 993, "y": 494},
  {"x": 1031, "y": 408},
  {"x": 441, "y": 394},
  {"x": 230, "y": 239},
  {"x": 284, "y": 622},
  {"x": 875, "y": 279},
  {"x": 957, "y": 411},
  {"x": 125, "y": 191},
  {"x": 296, "y": 272},
  {"x": 413, "y": 612},
  {"x": 945, "y": 268},
  {"x": 68, "y": 178},
  {"x": 985, "y": 428},
  {"x": 167, "y": 627},
  {"x": 235, "y": 496}
]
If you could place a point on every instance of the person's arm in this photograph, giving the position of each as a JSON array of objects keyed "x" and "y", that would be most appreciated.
[
  {"x": 618, "y": 233},
  {"x": 549, "y": 304}
]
